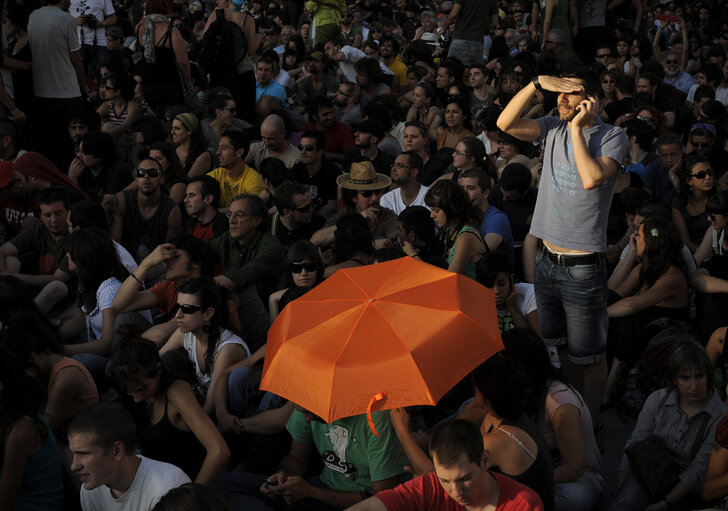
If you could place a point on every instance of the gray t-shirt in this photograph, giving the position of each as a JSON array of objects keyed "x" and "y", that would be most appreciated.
[
  {"x": 474, "y": 19},
  {"x": 52, "y": 36},
  {"x": 567, "y": 215}
]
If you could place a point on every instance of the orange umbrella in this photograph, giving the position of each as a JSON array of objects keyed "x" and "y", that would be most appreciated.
[{"x": 384, "y": 336}]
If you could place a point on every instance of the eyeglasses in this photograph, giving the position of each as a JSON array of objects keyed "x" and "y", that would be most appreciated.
[
  {"x": 702, "y": 174},
  {"x": 230, "y": 109},
  {"x": 305, "y": 209},
  {"x": 237, "y": 214},
  {"x": 459, "y": 153},
  {"x": 399, "y": 165},
  {"x": 701, "y": 145},
  {"x": 644, "y": 118},
  {"x": 369, "y": 193},
  {"x": 671, "y": 61},
  {"x": 187, "y": 309},
  {"x": 604, "y": 56},
  {"x": 609, "y": 81},
  {"x": 298, "y": 267},
  {"x": 307, "y": 147},
  {"x": 142, "y": 172}
]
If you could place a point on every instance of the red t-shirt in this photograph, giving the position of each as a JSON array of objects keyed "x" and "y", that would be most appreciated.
[{"x": 426, "y": 493}]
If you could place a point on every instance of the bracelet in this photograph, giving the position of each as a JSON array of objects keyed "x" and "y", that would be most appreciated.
[
  {"x": 135, "y": 278},
  {"x": 537, "y": 84}
]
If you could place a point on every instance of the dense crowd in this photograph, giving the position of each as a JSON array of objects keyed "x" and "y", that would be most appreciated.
[{"x": 174, "y": 173}]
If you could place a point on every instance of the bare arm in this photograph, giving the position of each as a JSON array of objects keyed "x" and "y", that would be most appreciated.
[
  {"x": 226, "y": 357},
  {"x": 670, "y": 284},
  {"x": 567, "y": 428},
  {"x": 466, "y": 246},
  {"x": 454, "y": 13},
  {"x": 421, "y": 463},
  {"x": 68, "y": 383},
  {"x": 77, "y": 64},
  {"x": 174, "y": 224},
  {"x": 716, "y": 476},
  {"x": 593, "y": 171},
  {"x": 682, "y": 230},
  {"x": 201, "y": 166},
  {"x": 370, "y": 504},
  {"x": 705, "y": 249},
  {"x": 182, "y": 397},
  {"x": 706, "y": 283},
  {"x": 101, "y": 346}
]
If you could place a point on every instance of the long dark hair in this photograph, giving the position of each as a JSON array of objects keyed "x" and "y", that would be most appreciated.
[
  {"x": 502, "y": 380},
  {"x": 96, "y": 259},
  {"x": 174, "y": 173},
  {"x": 452, "y": 200},
  {"x": 662, "y": 250},
  {"x": 210, "y": 295},
  {"x": 352, "y": 236},
  {"x": 304, "y": 250},
  {"x": 137, "y": 358},
  {"x": 21, "y": 396}
]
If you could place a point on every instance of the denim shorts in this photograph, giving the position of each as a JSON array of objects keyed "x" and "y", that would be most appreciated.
[
  {"x": 572, "y": 307},
  {"x": 469, "y": 53}
]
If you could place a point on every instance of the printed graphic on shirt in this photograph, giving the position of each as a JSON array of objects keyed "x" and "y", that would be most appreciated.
[{"x": 335, "y": 459}]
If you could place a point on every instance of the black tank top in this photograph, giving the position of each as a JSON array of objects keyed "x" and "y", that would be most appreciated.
[
  {"x": 163, "y": 71},
  {"x": 540, "y": 475},
  {"x": 140, "y": 236},
  {"x": 164, "y": 442}
]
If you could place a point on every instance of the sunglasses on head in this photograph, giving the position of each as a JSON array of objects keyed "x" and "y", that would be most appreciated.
[
  {"x": 186, "y": 308},
  {"x": 141, "y": 172},
  {"x": 307, "y": 147},
  {"x": 369, "y": 193},
  {"x": 702, "y": 174},
  {"x": 298, "y": 267}
]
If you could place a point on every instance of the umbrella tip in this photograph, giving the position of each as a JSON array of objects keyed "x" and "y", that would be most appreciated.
[
  {"x": 371, "y": 299},
  {"x": 376, "y": 397}
]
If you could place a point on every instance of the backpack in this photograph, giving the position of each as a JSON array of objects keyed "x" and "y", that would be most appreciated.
[{"x": 223, "y": 47}]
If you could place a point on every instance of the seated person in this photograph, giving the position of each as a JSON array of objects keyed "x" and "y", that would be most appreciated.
[
  {"x": 103, "y": 441},
  {"x": 457, "y": 452},
  {"x": 234, "y": 176},
  {"x": 416, "y": 236},
  {"x": 690, "y": 394},
  {"x": 346, "y": 446},
  {"x": 688, "y": 206},
  {"x": 32, "y": 477},
  {"x": 515, "y": 302},
  {"x": 202, "y": 198},
  {"x": 656, "y": 288},
  {"x": 175, "y": 417},
  {"x": 212, "y": 348},
  {"x": 715, "y": 485},
  {"x": 305, "y": 271},
  {"x": 353, "y": 244},
  {"x": 294, "y": 219}
]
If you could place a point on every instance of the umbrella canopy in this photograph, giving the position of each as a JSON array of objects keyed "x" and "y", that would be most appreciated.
[{"x": 394, "y": 334}]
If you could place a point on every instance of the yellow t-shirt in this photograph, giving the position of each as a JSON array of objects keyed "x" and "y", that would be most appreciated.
[{"x": 248, "y": 182}]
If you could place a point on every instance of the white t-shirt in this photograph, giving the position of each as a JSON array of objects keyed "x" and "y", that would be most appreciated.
[
  {"x": 393, "y": 200},
  {"x": 125, "y": 257},
  {"x": 104, "y": 296},
  {"x": 190, "y": 344},
  {"x": 99, "y": 9},
  {"x": 684, "y": 251},
  {"x": 351, "y": 56},
  {"x": 526, "y": 304},
  {"x": 152, "y": 481}
]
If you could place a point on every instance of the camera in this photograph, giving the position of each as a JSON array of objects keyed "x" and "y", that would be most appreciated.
[{"x": 90, "y": 21}]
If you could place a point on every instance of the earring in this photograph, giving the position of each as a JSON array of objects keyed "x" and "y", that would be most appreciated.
[{"x": 206, "y": 329}]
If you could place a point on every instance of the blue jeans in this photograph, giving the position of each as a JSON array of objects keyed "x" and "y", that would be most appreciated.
[
  {"x": 469, "y": 53},
  {"x": 572, "y": 307},
  {"x": 579, "y": 495}
]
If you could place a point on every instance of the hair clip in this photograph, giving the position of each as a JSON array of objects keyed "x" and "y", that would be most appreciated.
[{"x": 654, "y": 232}]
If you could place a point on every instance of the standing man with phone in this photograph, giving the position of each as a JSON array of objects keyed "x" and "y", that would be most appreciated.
[{"x": 581, "y": 159}]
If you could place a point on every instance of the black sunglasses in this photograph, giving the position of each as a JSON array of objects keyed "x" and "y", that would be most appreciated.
[
  {"x": 369, "y": 193},
  {"x": 307, "y": 147},
  {"x": 306, "y": 208},
  {"x": 299, "y": 267},
  {"x": 701, "y": 145},
  {"x": 713, "y": 216},
  {"x": 702, "y": 174},
  {"x": 187, "y": 309},
  {"x": 671, "y": 61},
  {"x": 142, "y": 172}
]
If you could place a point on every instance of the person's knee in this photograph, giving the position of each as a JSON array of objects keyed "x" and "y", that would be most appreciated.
[
  {"x": 12, "y": 264},
  {"x": 53, "y": 292}
]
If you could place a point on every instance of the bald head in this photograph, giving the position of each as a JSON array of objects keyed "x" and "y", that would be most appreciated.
[{"x": 273, "y": 133}]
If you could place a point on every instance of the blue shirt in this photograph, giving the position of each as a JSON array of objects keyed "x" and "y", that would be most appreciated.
[
  {"x": 273, "y": 89},
  {"x": 683, "y": 81},
  {"x": 497, "y": 222}
]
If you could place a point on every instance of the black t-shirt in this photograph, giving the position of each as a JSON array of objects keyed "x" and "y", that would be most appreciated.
[
  {"x": 382, "y": 162},
  {"x": 109, "y": 181},
  {"x": 519, "y": 212},
  {"x": 322, "y": 185},
  {"x": 717, "y": 266},
  {"x": 304, "y": 232}
]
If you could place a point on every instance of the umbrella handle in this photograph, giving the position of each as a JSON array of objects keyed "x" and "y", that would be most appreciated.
[{"x": 376, "y": 397}]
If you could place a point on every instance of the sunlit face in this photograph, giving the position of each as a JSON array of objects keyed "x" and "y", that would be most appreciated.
[
  {"x": 669, "y": 155},
  {"x": 477, "y": 78},
  {"x": 454, "y": 115},
  {"x": 508, "y": 150},
  {"x": 93, "y": 464},
  {"x": 273, "y": 139},
  {"x": 460, "y": 481},
  {"x": 439, "y": 217},
  {"x": 401, "y": 170},
  {"x": 179, "y": 133},
  {"x": 510, "y": 84},
  {"x": 568, "y": 102},
  {"x": 413, "y": 139}
]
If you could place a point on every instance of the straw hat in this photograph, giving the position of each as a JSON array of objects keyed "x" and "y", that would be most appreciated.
[{"x": 363, "y": 176}]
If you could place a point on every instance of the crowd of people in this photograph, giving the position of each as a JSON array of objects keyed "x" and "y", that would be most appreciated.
[{"x": 174, "y": 173}]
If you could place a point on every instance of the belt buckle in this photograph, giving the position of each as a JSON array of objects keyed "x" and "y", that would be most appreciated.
[{"x": 558, "y": 259}]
